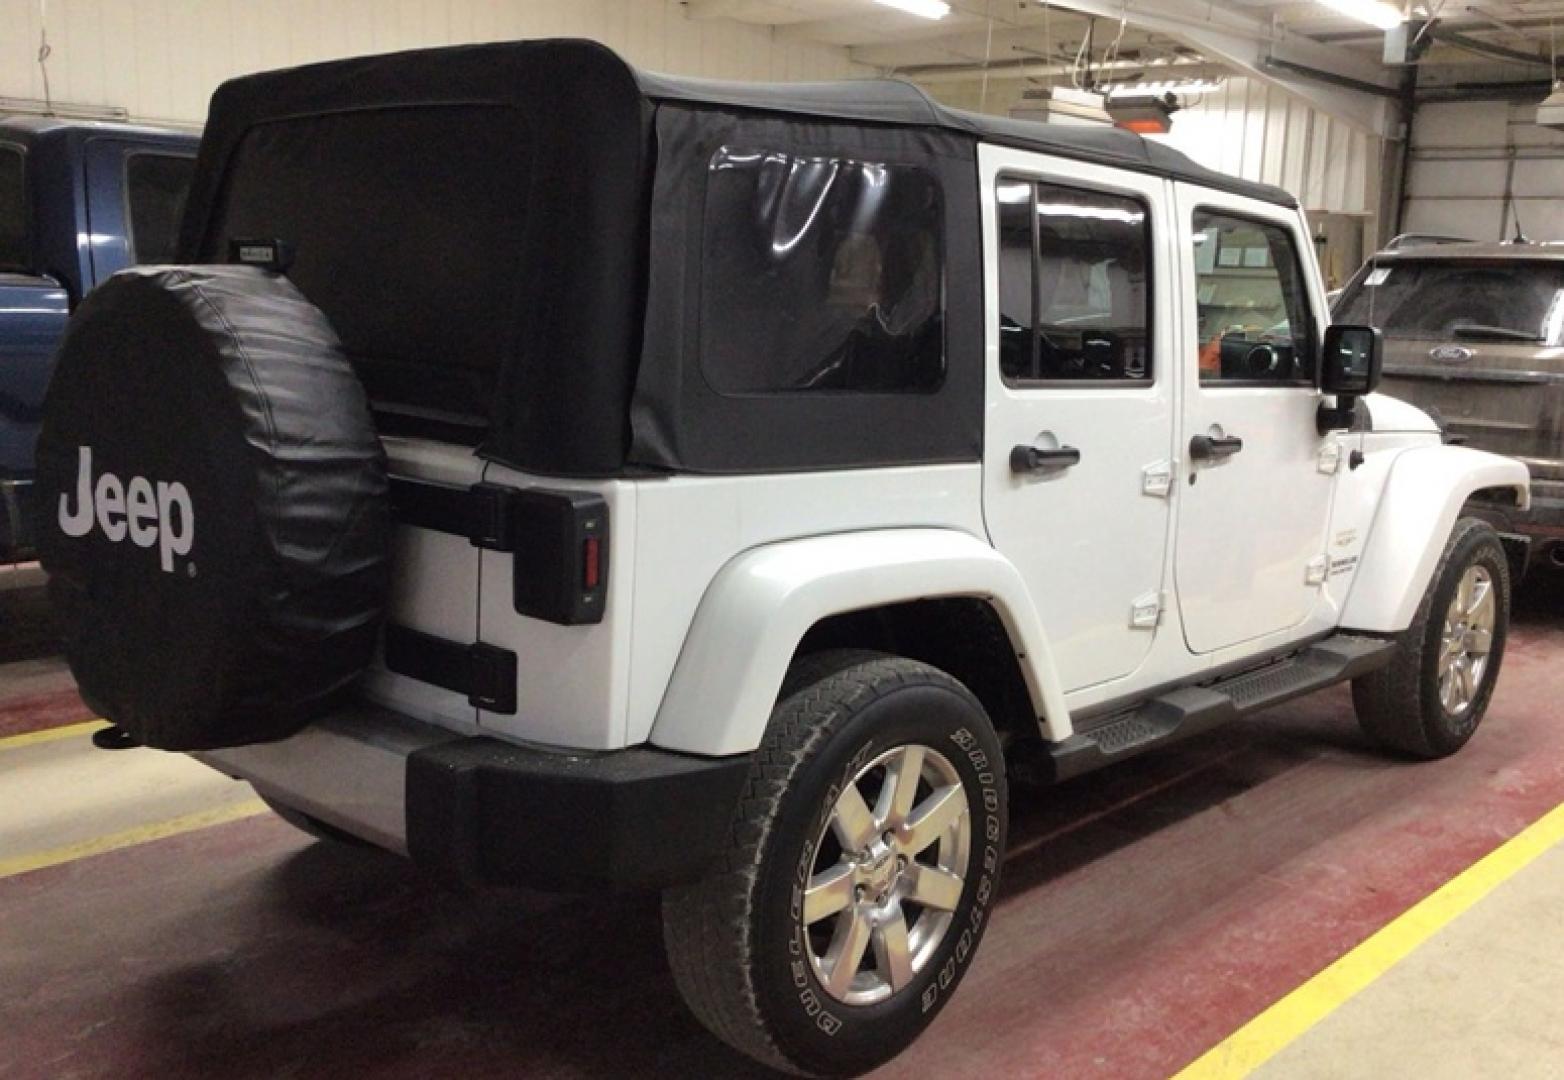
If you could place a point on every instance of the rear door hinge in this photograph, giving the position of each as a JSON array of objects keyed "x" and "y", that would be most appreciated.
[
  {"x": 1146, "y": 611},
  {"x": 1314, "y": 572},
  {"x": 1329, "y": 459},
  {"x": 1156, "y": 479}
]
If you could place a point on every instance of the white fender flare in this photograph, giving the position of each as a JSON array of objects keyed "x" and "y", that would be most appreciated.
[
  {"x": 1418, "y": 509},
  {"x": 759, "y": 606}
]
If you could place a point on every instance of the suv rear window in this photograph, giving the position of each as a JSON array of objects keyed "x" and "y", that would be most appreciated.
[
  {"x": 819, "y": 274},
  {"x": 1426, "y": 298},
  {"x": 156, "y": 185},
  {"x": 13, "y": 210}
]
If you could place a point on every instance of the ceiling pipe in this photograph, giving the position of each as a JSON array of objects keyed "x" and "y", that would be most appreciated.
[{"x": 1287, "y": 67}]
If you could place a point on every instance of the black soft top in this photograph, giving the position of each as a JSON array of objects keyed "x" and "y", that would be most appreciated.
[
  {"x": 892, "y": 101},
  {"x": 508, "y": 240}
]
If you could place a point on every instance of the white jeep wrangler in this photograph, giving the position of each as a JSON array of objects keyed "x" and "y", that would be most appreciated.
[{"x": 594, "y": 480}]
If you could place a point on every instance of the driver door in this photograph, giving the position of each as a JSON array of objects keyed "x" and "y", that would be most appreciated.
[{"x": 1255, "y": 504}]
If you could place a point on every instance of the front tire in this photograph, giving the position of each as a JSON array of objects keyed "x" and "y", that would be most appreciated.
[
  {"x": 1428, "y": 702},
  {"x": 862, "y": 867}
]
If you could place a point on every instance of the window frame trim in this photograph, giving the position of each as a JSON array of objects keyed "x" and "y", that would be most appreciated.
[
  {"x": 1310, "y": 383},
  {"x": 131, "y": 153},
  {"x": 1033, "y": 182},
  {"x": 29, "y": 239}
]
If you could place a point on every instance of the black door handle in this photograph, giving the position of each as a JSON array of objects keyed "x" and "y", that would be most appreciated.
[
  {"x": 1026, "y": 458},
  {"x": 1208, "y": 447}
]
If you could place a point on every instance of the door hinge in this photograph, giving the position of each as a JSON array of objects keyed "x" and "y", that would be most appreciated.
[
  {"x": 1146, "y": 611},
  {"x": 1329, "y": 459},
  {"x": 1156, "y": 479},
  {"x": 485, "y": 673},
  {"x": 1314, "y": 572}
]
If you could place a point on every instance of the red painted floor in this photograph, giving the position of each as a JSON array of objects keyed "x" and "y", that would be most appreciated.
[{"x": 1147, "y": 913}]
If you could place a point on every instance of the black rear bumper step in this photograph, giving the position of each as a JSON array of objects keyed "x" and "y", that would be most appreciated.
[{"x": 1191, "y": 710}]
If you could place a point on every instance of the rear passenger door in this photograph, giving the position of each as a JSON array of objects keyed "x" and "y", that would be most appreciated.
[
  {"x": 1078, "y": 444},
  {"x": 135, "y": 200}
]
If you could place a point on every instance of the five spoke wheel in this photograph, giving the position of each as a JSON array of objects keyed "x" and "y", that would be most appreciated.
[{"x": 889, "y": 874}]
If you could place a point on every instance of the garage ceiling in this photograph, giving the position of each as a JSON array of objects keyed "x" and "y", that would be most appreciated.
[{"x": 1128, "y": 40}]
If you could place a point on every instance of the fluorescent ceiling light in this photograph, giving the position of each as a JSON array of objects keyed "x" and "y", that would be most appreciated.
[
  {"x": 927, "y": 9},
  {"x": 1184, "y": 87},
  {"x": 1384, "y": 16}
]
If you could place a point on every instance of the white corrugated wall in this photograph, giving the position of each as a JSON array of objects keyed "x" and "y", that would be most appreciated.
[
  {"x": 161, "y": 59},
  {"x": 1259, "y": 131},
  {"x": 1467, "y": 156}
]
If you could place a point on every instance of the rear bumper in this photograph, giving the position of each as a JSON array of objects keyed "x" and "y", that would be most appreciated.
[
  {"x": 1539, "y": 529},
  {"x": 488, "y": 812}
]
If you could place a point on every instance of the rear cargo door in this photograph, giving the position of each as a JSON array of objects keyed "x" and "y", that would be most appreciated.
[{"x": 433, "y": 611}]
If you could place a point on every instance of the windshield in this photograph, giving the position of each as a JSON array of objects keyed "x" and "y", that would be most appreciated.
[
  {"x": 1503, "y": 300},
  {"x": 13, "y": 210}
]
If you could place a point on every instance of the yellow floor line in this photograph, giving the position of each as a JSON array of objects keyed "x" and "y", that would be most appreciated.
[
  {"x": 21, "y": 864},
  {"x": 33, "y": 738},
  {"x": 1267, "y": 1034}
]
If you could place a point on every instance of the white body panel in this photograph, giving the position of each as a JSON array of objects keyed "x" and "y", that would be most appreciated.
[
  {"x": 1087, "y": 538},
  {"x": 691, "y": 527},
  {"x": 761, "y": 604},
  {"x": 1424, "y": 492},
  {"x": 572, "y": 682}
]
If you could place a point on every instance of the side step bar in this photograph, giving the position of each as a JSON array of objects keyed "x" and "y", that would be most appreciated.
[{"x": 1191, "y": 710}]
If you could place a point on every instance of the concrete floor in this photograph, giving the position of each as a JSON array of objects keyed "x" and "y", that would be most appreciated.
[{"x": 1148, "y": 912}]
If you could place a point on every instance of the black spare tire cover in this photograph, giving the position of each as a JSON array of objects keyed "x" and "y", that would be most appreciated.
[{"x": 215, "y": 520}]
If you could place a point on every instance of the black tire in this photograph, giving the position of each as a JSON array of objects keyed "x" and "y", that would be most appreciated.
[
  {"x": 741, "y": 955},
  {"x": 1399, "y": 706},
  {"x": 315, "y": 827}
]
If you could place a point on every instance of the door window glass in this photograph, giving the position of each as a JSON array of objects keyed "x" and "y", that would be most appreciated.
[
  {"x": 1074, "y": 284},
  {"x": 821, "y": 274},
  {"x": 13, "y": 210},
  {"x": 156, "y": 185},
  {"x": 1252, "y": 308}
]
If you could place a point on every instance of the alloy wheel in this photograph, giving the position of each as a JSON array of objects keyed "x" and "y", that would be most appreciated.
[{"x": 889, "y": 872}]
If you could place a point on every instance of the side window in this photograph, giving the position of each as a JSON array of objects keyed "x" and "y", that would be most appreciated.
[
  {"x": 821, "y": 274},
  {"x": 155, "y": 186},
  {"x": 1251, "y": 303},
  {"x": 13, "y": 210},
  {"x": 1074, "y": 284}
]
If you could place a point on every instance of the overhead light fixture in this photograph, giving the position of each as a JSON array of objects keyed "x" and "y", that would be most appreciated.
[
  {"x": 925, "y": 9},
  {"x": 1181, "y": 87},
  {"x": 1550, "y": 114},
  {"x": 1383, "y": 16}
]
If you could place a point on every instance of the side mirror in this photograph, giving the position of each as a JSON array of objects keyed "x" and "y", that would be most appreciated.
[
  {"x": 1352, "y": 360},
  {"x": 1349, "y": 369}
]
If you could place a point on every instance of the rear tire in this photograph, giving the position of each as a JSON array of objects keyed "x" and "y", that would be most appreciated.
[
  {"x": 870, "y": 833},
  {"x": 1428, "y": 702}
]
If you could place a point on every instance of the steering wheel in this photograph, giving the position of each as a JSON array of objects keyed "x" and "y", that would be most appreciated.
[{"x": 1261, "y": 361}]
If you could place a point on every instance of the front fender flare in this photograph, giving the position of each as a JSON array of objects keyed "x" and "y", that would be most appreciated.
[
  {"x": 759, "y": 606},
  {"x": 1418, "y": 509}
]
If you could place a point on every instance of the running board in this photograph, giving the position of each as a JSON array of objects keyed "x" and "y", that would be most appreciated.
[{"x": 1191, "y": 710}]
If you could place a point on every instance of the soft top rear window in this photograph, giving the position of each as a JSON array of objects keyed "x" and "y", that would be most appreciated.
[
  {"x": 820, "y": 273},
  {"x": 407, "y": 226},
  {"x": 13, "y": 209},
  {"x": 1495, "y": 300}
]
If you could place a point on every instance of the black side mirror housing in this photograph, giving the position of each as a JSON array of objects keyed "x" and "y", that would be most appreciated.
[{"x": 1349, "y": 369}]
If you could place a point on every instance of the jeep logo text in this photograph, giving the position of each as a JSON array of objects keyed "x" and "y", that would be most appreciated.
[{"x": 162, "y": 515}]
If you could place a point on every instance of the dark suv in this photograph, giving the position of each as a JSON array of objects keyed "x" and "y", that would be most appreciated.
[{"x": 1474, "y": 334}]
